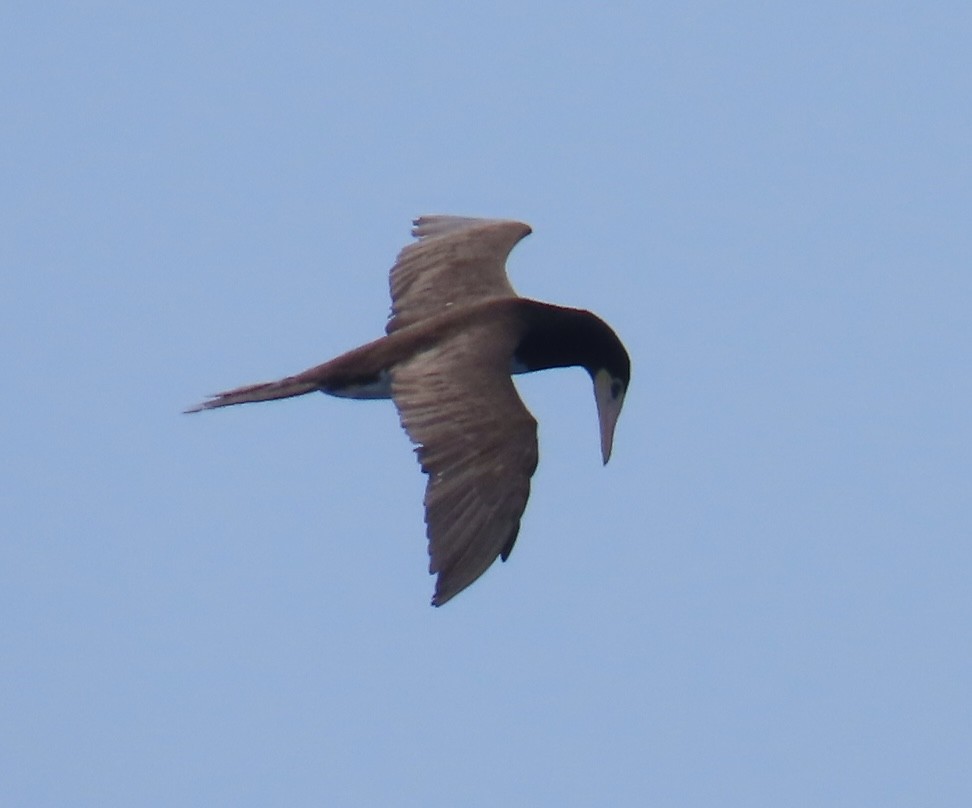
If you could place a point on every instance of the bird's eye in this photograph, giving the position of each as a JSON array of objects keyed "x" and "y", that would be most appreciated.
[{"x": 616, "y": 388}]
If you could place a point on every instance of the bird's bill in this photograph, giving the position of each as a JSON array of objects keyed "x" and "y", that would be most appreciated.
[{"x": 608, "y": 410}]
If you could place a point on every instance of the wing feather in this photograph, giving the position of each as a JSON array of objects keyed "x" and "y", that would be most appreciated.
[
  {"x": 478, "y": 444},
  {"x": 456, "y": 261}
]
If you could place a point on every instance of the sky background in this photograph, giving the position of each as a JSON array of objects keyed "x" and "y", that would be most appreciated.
[{"x": 762, "y": 600}]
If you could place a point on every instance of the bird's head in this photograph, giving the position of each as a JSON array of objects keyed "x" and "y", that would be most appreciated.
[{"x": 558, "y": 337}]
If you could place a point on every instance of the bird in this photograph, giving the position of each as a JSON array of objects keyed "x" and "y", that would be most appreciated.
[{"x": 456, "y": 334}]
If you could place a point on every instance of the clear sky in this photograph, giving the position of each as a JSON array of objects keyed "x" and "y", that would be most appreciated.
[{"x": 763, "y": 600}]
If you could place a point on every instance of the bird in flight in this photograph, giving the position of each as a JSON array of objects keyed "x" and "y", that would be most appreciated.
[{"x": 456, "y": 334}]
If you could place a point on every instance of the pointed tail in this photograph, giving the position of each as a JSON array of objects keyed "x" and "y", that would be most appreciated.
[{"x": 268, "y": 391}]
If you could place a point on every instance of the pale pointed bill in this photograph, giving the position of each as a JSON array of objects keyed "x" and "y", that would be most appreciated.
[{"x": 609, "y": 395}]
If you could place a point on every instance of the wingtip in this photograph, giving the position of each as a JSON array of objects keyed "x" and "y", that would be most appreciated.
[
  {"x": 431, "y": 225},
  {"x": 441, "y": 597},
  {"x": 438, "y": 600}
]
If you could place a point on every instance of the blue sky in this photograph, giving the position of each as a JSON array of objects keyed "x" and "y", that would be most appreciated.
[{"x": 762, "y": 600}]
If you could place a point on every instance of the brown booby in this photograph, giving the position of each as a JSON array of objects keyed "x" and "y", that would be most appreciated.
[{"x": 456, "y": 333}]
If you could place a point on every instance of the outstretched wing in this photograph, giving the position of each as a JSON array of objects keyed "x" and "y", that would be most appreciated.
[
  {"x": 478, "y": 444},
  {"x": 456, "y": 261}
]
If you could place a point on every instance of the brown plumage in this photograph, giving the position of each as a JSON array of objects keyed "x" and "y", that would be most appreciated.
[{"x": 457, "y": 331}]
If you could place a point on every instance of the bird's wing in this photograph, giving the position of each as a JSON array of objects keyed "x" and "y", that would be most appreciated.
[
  {"x": 455, "y": 261},
  {"x": 478, "y": 444}
]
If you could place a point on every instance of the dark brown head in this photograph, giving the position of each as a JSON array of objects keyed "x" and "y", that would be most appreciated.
[{"x": 556, "y": 336}]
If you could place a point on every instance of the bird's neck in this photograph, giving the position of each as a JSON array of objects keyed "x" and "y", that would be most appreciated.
[{"x": 557, "y": 337}]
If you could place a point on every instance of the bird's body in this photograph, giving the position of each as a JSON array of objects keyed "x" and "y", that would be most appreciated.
[{"x": 456, "y": 334}]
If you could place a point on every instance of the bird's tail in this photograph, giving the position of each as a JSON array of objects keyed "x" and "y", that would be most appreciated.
[{"x": 267, "y": 391}]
